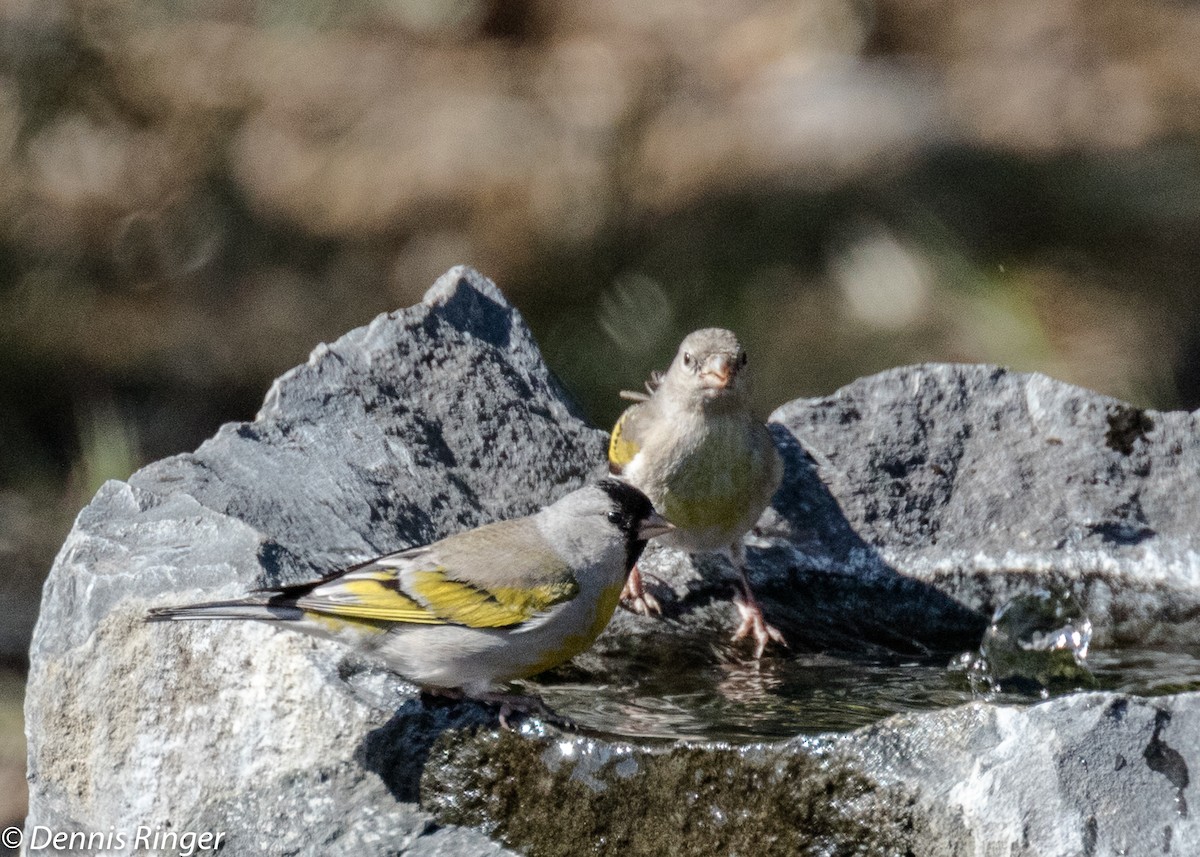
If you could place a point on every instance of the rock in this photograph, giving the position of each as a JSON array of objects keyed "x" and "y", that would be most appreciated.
[
  {"x": 974, "y": 483},
  {"x": 914, "y": 503},
  {"x": 917, "y": 501},
  {"x": 426, "y": 421},
  {"x": 1089, "y": 774}
]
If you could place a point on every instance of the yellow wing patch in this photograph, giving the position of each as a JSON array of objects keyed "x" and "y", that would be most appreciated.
[
  {"x": 499, "y": 607},
  {"x": 374, "y": 598},
  {"x": 621, "y": 448},
  {"x": 397, "y": 589}
]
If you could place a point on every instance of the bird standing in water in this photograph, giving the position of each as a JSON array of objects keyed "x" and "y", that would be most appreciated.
[
  {"x": 708, "y": 465},
  {"x": 475, "y": 610}
]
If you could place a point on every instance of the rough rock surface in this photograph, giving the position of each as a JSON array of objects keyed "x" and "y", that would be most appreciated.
[
  {"x": 427, "y": 421},
  {"x": 914, "y": 502},
  {"x": 974, "y": 480},
  {"x": 918, "y": 500}
]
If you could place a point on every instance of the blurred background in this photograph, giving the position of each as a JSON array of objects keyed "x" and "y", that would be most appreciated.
[{"x": 194, "y": 193}]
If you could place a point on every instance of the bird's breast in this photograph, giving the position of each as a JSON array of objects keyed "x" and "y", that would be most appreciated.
[
  {"x": 574, "y": 631},
  {"x": 712, "y": 482}
]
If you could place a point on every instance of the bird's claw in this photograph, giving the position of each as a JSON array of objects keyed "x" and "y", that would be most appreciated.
[
  {"x": 636, "y": 599},
  {"x": 644, "y": 604},
  {"x": 511, "y": 707},
  {"x": 514, "y": 707},
  {"x": 755, "y": 626}
]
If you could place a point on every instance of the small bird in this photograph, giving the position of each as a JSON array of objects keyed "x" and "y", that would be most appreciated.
[
  {"x": 464, "y": 615},
  {"x": 708, "y": 465}
]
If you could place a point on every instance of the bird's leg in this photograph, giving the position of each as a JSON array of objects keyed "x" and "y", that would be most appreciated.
[
  {"x": 753, "y": 623},
  {"x": 636, "y": 599},
  {"x": 508, "y": 703},
  {"x": 524, "y": 706},
  {"x": 442, "y": 695}
]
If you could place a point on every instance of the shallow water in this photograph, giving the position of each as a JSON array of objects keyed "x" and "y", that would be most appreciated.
[{"x": 807, "y": 694}]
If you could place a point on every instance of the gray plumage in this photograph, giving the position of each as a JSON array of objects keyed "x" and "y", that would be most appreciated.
[{"x": 479, "y": 608}]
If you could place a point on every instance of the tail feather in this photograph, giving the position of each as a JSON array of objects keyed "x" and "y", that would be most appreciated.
[{"x": 245, "y": 608}]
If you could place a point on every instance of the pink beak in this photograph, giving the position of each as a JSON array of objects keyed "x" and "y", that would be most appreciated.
[{"x": 719, "y": 367}]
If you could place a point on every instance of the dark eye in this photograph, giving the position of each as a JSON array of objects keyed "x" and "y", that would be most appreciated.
[
  {"x": 614, "y": 517},
  {"x": 744, "y": 359},
  {"x": 688, "y": 360}
]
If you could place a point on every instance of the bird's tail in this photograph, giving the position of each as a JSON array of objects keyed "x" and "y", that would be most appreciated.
[{"x": 262, "y": 609}]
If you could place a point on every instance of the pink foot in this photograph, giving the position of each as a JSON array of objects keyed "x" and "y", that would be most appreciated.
[
  {"x": 753, "y": 625},
  {"x": 636, "y": 599}
]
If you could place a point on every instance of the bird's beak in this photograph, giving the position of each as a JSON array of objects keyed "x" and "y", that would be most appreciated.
[
  {"x": 718, "y": 371},
  {"x": 654, "y": 525}
]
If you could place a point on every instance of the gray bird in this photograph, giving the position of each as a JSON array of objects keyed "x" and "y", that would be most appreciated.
[
  {"x": 475, "y": 610},
  {"x": 692, "y": 444}
]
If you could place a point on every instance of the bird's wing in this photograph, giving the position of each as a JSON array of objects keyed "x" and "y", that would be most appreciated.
[
  {"x": 476, "y": 579},
  {"x": 652, "y": 384},
  {"x": 627, "y": 436},
  {"x": 370, "y": 591}
]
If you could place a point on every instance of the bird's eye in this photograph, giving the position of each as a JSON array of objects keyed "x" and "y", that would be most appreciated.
[
  {"x": 688, "y": 360},
  {"x": 614, "y": 517},
  {"x": 744, "y": 359}
]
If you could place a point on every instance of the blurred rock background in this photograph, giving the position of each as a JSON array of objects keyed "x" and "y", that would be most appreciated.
[{"x": 193, "y": 194}]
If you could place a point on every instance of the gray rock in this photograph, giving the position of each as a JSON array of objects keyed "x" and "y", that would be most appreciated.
[
  {"x": 917, "y": 501},
  {"x": 973, "y": 483},
  {"x": 426, "y": 421},
  {"x": 914, "y": 503}
]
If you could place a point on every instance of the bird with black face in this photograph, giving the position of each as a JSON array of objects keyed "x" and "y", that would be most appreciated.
[
  {"x": 467, "y": 614},
  {"x": 693, "y": 446}
]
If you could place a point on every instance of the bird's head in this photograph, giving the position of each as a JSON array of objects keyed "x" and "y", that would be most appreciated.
[
  {"x": 609, "y": 512},
  {"x": 711, "y": 366}
]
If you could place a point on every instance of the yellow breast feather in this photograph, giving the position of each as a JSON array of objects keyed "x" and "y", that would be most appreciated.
[
  {"x": 576, "y": 643},
  {"x": 721, "y": 477}
]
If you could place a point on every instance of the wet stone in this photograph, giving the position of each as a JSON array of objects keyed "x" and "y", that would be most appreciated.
[
  {"x": 915, "y": 504},
  {"x": 546, "y": 796}
]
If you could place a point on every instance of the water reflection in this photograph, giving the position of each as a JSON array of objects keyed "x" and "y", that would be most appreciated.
[{"x": 809, "y": 694}]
